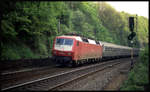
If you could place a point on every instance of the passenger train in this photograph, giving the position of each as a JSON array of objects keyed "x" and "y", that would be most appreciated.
[{"x": 75, "y": 50}]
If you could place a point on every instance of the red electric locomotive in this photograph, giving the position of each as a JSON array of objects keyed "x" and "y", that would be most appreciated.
[{"x": 74, "y": 50}]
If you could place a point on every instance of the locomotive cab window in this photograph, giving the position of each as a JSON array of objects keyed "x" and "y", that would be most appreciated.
[
  {"x": 62, "y": 41},
  {"x": 59, "y": 41},
  {"x": 68, "y": 42}
]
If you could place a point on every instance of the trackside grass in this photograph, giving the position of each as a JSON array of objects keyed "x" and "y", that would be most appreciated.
[{"x": 138, "y": 77}]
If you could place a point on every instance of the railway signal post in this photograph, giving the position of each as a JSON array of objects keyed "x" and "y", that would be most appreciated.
[
  {"x": 131, "y": 36},
  {"x": 131, "y": 55}
]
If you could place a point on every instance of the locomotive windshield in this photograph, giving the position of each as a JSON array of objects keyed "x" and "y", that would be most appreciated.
[
  {"x": 61, "y": 41},
  {"x": 68, "y": 42}
]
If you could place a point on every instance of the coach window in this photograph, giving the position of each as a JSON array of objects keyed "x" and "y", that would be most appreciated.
[{"x": 77, "y": 43}]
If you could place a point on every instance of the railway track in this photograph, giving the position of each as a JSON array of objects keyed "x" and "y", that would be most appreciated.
[
  {"x": 21, "y": 74},
  {"x": 56, "y": 81}
]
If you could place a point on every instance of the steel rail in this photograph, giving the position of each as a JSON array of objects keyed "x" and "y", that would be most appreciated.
[
  {"x": 79, "y": 77},
  {"x": 49, "y": 77}
]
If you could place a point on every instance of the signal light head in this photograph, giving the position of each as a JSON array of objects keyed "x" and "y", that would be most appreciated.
[
  {"x": 131, "y": 23},
  {"x": 130, "y": 37}
]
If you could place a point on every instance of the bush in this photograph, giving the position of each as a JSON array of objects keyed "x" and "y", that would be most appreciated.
[
  {"x": 138, "y": 77},
  {"x": 13, "y": 51},
  {"x": 9, "y": 52}
]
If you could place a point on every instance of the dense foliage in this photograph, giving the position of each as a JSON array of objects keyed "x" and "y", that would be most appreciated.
[
  {"x": 138, "y": 77},
  {"x": 28, "y": 28}
]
